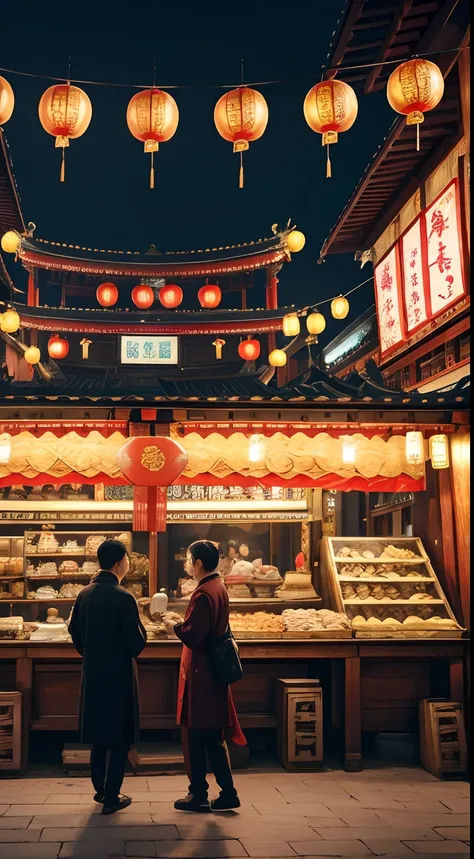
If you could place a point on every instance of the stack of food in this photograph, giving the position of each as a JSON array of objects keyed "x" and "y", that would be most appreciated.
[
  {"x": 43, "y": 571},
  {"x": 139, "y": 565},
  {"x": 311, "y": 620},
  {"x": 93, "y": 542},
  {"x": 410, "y": 623},
  {"x": 43, "y": 593},
  {"x": 297, "y": 584},
  {"x": 70, "y": 547},
  {"x": 47, "y": 543},
  {"x": 11, "y": 566},
  {"x": 266, "y": 579},
  {"x": 260, "y": 622},
  {"x": 90, "y": 568},
  {"x": 238, "y": 580},
  {"x": 14, "y": 629},
  {"x": 69, "y": 567},
  {"x": 69, "y": 591}
]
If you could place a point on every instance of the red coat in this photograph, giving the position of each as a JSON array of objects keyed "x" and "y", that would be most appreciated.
[{"x": 203, "y": 701}]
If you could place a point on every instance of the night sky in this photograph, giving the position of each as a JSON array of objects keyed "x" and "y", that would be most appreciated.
[{"x": 105, "y": 201}]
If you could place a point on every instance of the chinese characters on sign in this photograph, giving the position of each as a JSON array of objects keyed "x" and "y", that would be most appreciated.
[
  {"x": 148, "y": 349},
  {"x": 413, "y": 280},
  {"x": 446, "y": 283},
  {"x": 387, "y": 292}
]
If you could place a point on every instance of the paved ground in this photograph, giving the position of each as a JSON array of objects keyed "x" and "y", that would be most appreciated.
[{"x": 384, "y": 812}]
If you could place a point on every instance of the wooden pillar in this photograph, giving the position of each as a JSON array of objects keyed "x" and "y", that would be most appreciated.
[
  {"x": 464, "y": 66},
  {"x": 352, "y": 716},
  {"x": 449, "y": 541},
  {"x": 31, "y": 293},
  {"x": 24, "y": 684},
  {"x": 271, "y": 302},
  {"x": 460, "y": 470}
]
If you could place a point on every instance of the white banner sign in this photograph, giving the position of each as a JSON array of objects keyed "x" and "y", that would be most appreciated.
[{"x": 138, "y": 349}]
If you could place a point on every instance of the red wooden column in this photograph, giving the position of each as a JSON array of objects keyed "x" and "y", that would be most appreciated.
[
  {"x": 271, "y": 302},
  {"x": 31, "y": 298},
  {"x": 460, "y": 485}
]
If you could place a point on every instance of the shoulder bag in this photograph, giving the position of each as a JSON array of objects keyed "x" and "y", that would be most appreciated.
[{"x": 225, "y": 657}]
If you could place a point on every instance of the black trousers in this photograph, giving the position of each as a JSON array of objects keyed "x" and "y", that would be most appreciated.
[
  {"x": 196, "y": 743},
  {"x": 108, "y": 765}
]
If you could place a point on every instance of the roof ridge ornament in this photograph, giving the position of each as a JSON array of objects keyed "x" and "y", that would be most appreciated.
[{"x": 152, "y": 251}]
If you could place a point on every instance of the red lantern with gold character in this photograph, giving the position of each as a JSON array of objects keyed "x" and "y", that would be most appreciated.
[
  {"x": 241, "y": 117},
  {"x": 143, "y": 296},
  {"x": 209, "y": 296},
  {"x": 65, "y": 112},
  {"x": 107, "y": 294},
  {"x": 329, "y": 108},
  {"x": 58, "y": 347},
  {"x": 152, "y": 117},
  {"x": 249, "y": 350},
  {"x": 7, "y": 101},
  {"x": 170, "y": 295},
  {"x": 414, "y": 88}
]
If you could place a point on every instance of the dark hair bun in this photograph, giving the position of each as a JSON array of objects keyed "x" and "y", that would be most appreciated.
[{"x": 206, "y": 552}]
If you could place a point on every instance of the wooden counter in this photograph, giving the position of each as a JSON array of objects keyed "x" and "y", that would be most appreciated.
[{"x": 369, "y": 685}]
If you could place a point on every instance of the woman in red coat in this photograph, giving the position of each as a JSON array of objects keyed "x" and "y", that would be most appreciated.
[{"x": 205, "y": 706}]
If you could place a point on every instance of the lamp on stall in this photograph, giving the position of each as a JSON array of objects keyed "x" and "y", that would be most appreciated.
[
  {"x": 348, "y": 450},
  {"x": 277, "y": 358},
  {"x": 291, "y": 325},
  {"x": 5, "y": 449},
  {"x": 315, "y": 323},
  {"x": 256, "y": 447},
  {"x": 414, "y": 448},
  {"x": 439, "y": 451}
]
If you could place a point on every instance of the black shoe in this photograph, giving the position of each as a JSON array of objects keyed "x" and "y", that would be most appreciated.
[
  {"x": 193, "y": 803},
  {"x": 225, "y": 803},
  {"x": 99, "y": 797},
  {"x": 120, "y": 803}
]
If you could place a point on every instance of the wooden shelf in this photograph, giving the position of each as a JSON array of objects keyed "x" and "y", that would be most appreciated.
[
  {"x": 372, "y": 601},
  {"x": 399, "y": 561},
  {"x": 404, "y": 580},
  {"x": 66, "y": 555}
]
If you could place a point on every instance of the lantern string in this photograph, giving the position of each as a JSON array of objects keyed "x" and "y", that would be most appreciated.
[{"x": 324, "y": 70}]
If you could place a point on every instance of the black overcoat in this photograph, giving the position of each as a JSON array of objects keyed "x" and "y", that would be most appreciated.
[{"x": 107, "y": 632}]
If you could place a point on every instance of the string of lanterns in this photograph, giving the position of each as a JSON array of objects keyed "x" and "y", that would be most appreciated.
[{"x": 330, "y": 108}]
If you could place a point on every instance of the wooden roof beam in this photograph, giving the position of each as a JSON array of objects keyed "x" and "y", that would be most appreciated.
[
  {"x": 344, "y": 37},
  {"x": 400, "y": 13}
]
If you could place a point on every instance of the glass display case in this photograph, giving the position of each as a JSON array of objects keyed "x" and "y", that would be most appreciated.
[
  {"x": 12, "y": 584},
  {"x": 386, "y": 587}
]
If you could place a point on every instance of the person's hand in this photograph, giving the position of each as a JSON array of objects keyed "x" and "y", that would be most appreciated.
[{"x": 169, "y": 626}]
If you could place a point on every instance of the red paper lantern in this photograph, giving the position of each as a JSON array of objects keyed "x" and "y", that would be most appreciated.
[
  {"x": 58, "y": 347},
  {"x": 249, "y": 350},
  {"x": 107, "y": 294},
  {"x": 152, "y": 461},
  {"x": 143, "y": 296},
  {"x": 170, "y": 295},
  {"x": 209, "y": 296}
]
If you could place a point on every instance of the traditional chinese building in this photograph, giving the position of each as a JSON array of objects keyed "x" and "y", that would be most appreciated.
[{"x": 409, "y": 213}]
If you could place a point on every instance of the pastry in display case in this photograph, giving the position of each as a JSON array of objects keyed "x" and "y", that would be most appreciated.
[
  {"x": 11, "y": 568},
  {"x": 386, "y": 587},
  {"x": 292, "y": 623},
  {"x": 55, "y": 560}
]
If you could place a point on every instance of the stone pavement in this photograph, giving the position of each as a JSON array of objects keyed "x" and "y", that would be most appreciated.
[{"x": 391, "y": 812}]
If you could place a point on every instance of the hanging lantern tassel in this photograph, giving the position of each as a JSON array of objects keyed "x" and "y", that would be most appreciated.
[
  {"x": 241, "y": 146},
  {"x": 152, "y": 146},
  {"x": 62, "y": 142},
  {"x": 418, "y": 137},
  {"x": 63, "y": 167},
  {"x": 328, "y": 138}
]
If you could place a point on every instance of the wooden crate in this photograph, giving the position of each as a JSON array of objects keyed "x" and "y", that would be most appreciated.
[
  {"x": 10, "y": 732},
  {"x": 300, "y": 724},
  {"x": 442, "y": 737}
]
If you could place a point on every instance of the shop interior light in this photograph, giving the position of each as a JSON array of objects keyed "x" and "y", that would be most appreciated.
[
  {"x": 348, "y": 451},
  {"x": 5, "y": 449},
  {"x": 256, "y": 448},
  {"x": 439, "y": 451},
  {"x": 415, "y": 448}
]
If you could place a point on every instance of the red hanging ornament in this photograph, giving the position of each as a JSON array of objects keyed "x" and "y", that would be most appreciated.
[
  {"x": 249, "y": 350},
  {"x": 170, "y": 295},
  {"x": 143, "y": 296},
  {"x": 58, "y": 348},
  {"x": 107, "y": 294},
  {"x": 209, "y": 296}
]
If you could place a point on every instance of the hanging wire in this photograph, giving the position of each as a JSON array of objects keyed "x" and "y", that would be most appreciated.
[
  {"x": 344, "y": 295},
  {"x": 324, "y": 70}
]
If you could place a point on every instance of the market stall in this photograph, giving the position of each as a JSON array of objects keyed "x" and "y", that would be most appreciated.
[{"x": 256, "y": 489}]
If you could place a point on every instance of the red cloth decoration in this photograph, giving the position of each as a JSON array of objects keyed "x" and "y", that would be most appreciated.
[{"x": 152, "y": 461}]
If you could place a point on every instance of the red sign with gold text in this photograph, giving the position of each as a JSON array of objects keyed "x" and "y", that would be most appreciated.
[{"x": 444, "y": 254}]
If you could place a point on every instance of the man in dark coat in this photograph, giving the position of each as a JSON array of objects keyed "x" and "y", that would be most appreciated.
[
  {"x": 205, "y": 706},
  {"x": 107, "y": 632}
]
